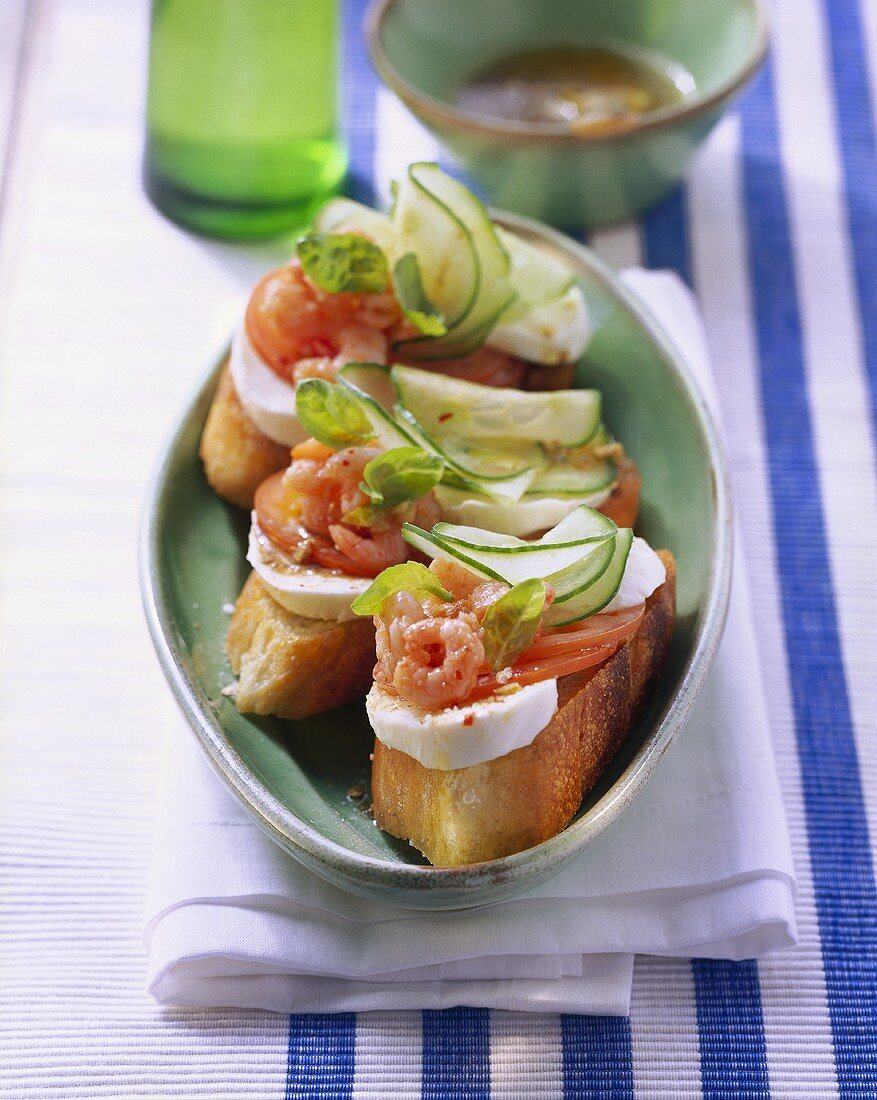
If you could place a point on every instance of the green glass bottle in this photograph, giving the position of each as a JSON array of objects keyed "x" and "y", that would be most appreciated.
[{"x": 242, "y": 113}]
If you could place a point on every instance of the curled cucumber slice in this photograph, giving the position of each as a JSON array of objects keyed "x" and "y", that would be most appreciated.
[
  {"x": 372, "y": 380},
  {"x": 594, "y": 597},
  {"x": 468, "y": 410},
  {"x": 342, "y": 213},
  {"x": 580, "y": 526},
  {"x": 585, "y": 574},
  {"x": 570, "y": 568},
  {"x": 464, "y": 267},
  {"x": 535, "y": 275},
  {"x": 433, "y": 230},
  {"x": 504, "y": 474},
  {"x": 562, "y": 479},
  {"x": 387, "y": 431}
]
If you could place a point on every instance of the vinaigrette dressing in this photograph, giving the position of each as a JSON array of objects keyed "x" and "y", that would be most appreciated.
[{"x": 590, "y": 90}]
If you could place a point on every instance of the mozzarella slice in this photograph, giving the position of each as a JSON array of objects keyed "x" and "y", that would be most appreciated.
[
  {"x": 267, "y": 399},
  {"x": 522, "y": 518},
  {"x": 306, "y": 590},
  {"x": 556, "y": 331},
  {"x": 445, "y": 741},
  {"x": 643, "y": 573}
]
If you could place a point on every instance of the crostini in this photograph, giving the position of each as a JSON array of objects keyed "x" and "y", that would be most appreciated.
[
  {"x": 434, "y": 284},
  {"x": 507, "y": 676},
  {"x": 320, "y": 531},
  {"x": 332, "y": 521}
]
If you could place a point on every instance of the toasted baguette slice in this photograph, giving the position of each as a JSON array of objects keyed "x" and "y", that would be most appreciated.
[
  {"x": 506, "y": 805},
  {"x": 237, "y": 456},
  {"x": 622, "y": 504},
  {"x": 294, "y": 667}
]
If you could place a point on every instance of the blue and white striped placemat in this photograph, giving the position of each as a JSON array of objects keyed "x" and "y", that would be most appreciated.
[
  {"x": 776, "y": 230},
  {"x": 777, "y": 233}
]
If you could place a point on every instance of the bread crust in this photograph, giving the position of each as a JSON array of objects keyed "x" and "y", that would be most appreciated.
[
  {"x": 237, "y": 456},
  {"x": 506, "y": 805},
  {"x": 622, "y": 504},
  {"x": 294, "y": 667}
]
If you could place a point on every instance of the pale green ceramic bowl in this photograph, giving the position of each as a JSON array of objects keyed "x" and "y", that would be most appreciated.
[
  {"x": 424, "y": 50},
  {"x": 294, "y": 777}
]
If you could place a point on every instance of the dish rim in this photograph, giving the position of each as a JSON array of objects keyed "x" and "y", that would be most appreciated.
[
  {"x": 338, "y": 862},
  {"x": 446, "y": 114}
]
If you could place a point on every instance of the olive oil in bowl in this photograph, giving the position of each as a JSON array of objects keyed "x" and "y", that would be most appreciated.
[{"x": 585, "y": 90}]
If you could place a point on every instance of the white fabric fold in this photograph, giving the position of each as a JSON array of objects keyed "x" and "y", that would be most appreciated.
[{"x": 699, "y": 865}]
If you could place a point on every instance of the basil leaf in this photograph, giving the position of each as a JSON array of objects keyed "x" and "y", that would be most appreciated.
[
  {"x": 366, "y": 515},
  {"x": 410, "y": 576},
  {"x": 511, "y": 622},
  {"x": 403, "y": 473},
  {"x": 331, "y": 414},
  {"x": 341, "y": 262},
  {"x": 412, "y": 298}
]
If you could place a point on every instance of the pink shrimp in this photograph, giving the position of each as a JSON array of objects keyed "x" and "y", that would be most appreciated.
[
  {"x": 326, "y": 489},
  {"x": 356, "y": 344},
  {"x": 290, "y": 319},
  {"x": 371, "y": 549},
  {"x": 430, "y": 660}
]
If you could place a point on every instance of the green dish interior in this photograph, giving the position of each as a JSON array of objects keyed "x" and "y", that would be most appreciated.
[
  {"x": 296, "y": 776},
  {"x": 433, "y": 49}
]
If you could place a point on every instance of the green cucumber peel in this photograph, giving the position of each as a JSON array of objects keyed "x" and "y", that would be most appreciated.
[
  {"x": 570, "y": 569},
  {"x": 442, "y": 405},
  {"x": 461, "y": 341},
  {"x": 583, "y": 525},
  {"x": 370, "y": 380},
  {"x": 492, "y": 293},
  {"x": 575, "y": 579},
  {"x": 598, "y": 594},
  {"x": 385, "y": 429},
  {"x": 585, "y": 573},
  {"x": 436, "y": 548},
  {"x": 508, "y": 486},
  {"x": 562, "y": 479},
  {"x": 421, "y": 218},
  {"x": 343, "y": 263}
]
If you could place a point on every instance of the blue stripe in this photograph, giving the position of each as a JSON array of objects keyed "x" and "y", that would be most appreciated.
[
  {"x": 456, "y": 1054},
  {"x": 730, "y": 1025},
  {"x": 360, "y": 87},
  {"x": 727, "y": 995},
  {"x": 320, "y": 1059},
  {"x": 840, "y": 855},
  {"x": 858, "y": 150},
  {"x": 665, "y": 236},
  {"x": 597, "y": 1059}
]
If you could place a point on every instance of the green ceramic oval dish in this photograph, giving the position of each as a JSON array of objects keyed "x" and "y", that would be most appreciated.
[
  {"x": 425, "y": 50},
  {"x": 294, "y": 777}
]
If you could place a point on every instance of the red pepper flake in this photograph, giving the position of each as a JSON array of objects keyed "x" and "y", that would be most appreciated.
[
  {"x": 444, "y": 417},
  {"x": 469, "y": 719}
]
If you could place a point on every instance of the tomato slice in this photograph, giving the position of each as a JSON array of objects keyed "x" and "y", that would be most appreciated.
[
  {"x": 281, "y": 525},
  {"x": 599, "y": 630},
  {"x": 546, "y": 668}
]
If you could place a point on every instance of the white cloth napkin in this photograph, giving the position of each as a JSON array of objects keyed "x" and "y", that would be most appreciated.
[{"x": 699, "y": 865}]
